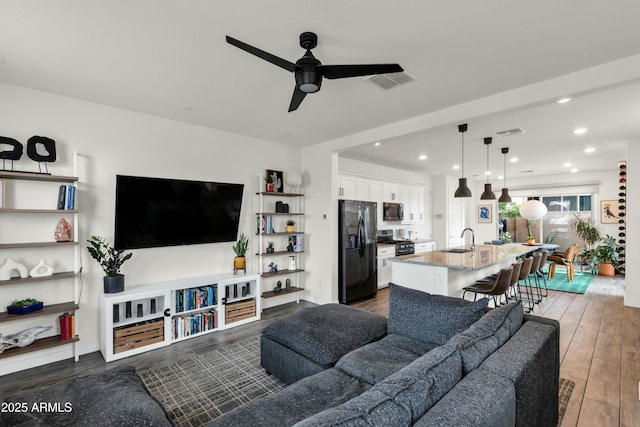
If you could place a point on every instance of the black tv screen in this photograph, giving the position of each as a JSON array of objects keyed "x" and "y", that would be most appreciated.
[{"x": 154, "y": 212}]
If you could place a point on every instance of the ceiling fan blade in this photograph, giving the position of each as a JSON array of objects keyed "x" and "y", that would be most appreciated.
[
  {"x": 342, "y": 71},
  {"x": 296, "y": 99},
  {"x": 282, "y": 63}
]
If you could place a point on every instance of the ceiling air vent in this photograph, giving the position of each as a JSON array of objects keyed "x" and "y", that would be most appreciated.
[
  {"x": 509, "y": 132},
  {"x": 388, "y": 81}
]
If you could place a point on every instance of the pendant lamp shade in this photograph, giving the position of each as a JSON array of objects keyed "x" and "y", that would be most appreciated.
[
  {"x": 462, "y": 190},
  {"x": 505, "y": 197},
  {"x": 533, "y": 209},
  {"x": 488, "y": 193}
]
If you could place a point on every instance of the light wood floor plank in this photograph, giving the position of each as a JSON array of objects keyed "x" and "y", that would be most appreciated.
[{"x": 598, "y": 414}]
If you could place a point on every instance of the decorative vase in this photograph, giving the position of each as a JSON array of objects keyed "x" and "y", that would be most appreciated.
[
  {"x": 270, "y": 250},
  {"x": 270, "y": 187},
  {"x": 291, "y": 228},
  {"x": 288, "y": 284},
  {"x": 113, "y": 284},
  {"x": 239, "y": 263},
  {"x": 606, "y": 269}
]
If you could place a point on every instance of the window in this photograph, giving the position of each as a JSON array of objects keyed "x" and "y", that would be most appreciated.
[{"x": 578, "y": 203}]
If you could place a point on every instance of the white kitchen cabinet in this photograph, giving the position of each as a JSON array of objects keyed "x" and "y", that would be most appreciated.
[
  {"x": 384, "y": 266},
  {"x": 391, "y": 192},
  {"x": 348, "y": 187},
  {"x": 413, "y": 200},
  {"x": 422, "y": 247}
]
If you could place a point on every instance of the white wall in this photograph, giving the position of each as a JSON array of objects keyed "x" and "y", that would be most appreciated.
[
  {"x": 113, "y": 141},
  {"x": 632, "y": 280}
]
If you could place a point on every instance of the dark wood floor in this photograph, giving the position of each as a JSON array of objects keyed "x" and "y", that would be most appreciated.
[{"x": 600, "y": 352}]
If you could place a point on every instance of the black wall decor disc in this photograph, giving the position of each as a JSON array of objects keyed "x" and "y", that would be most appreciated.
[
  {"x": 14, "y": 154},
  {"x": 47, "y": 143}
]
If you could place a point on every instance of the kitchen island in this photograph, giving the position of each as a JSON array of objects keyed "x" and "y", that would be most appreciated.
[{"x": 447, "y": 271}]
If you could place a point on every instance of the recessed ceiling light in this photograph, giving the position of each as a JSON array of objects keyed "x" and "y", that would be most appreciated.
[
  {"x": 567, "y": 165},
  {"x": 186, "y": 108},
  {"x": 563, "y": 100},
  {"x": 514, "y": 159},
  {"x": 574, "y": 170},
  {"x": 580, "y": 131},
  {"x": 500, "y": 177},
  {"x": 590, "y": 149},
  {"x": 423, "y": 157},
  {"x": 487, "y": 173},
  {"x": 456, "y": 167},
  {"x": 377, "y": 144}
]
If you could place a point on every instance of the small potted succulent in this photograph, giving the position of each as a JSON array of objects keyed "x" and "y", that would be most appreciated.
[
  {"x": 291, "y": 226},
  {"x": 270, "y": 248},
  {"x": 111, "y": 261},
  {"x": 24, "y": 306},
  {"x": 240, "y": 249}
]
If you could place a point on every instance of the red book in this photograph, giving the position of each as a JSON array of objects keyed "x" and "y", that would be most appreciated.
[
  {"x": 62, "y": 326},
  {"x": 67, "y": 328}
]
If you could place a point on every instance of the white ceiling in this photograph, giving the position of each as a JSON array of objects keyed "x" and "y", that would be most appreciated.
[{"x": 170, "y": 59}]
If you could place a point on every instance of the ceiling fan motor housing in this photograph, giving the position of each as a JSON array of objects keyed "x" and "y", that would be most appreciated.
[{"x": 308, "y": 77}]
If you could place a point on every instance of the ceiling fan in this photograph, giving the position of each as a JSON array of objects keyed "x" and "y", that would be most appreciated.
[{"x": 309, "y": 71}]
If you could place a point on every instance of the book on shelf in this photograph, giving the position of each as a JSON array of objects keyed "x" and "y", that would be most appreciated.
[
  {"x": 66, "y": 197},
  {"x": 67, "y": 326}
]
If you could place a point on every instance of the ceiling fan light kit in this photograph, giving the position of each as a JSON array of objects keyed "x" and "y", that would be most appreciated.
[
  {"x": 505, "y": 197},
  {"x": 488, "y": 193},
  {"x": 463, "y": 189},
  {"x": 309, "y": 71}
]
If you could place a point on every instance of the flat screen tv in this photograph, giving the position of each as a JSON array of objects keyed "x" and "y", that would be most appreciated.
[{"x": 154, "y": 212}]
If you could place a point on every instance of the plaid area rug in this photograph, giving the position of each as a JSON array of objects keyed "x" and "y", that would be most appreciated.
[
  {"x": 200, "y": 389},
  {"x": 564, "y": 394},
  {"x": 197, "y": 390}
]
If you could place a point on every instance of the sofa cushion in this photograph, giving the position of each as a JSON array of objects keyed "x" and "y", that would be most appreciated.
[
  {"x": 325, "y": 333},
  {"x": 376, "y": 361},
  {"x": 400, "y": 399},
  {"x": 480, "y": 399},
  {"x": 372, "y": 408},
  {"x": 421, "y": 384},
  {"x": 488, "y": 334},
  {"x": 430, "y": 318},
  {"x": 412, "y": 345},
  {"x": 298, "y": 401}
]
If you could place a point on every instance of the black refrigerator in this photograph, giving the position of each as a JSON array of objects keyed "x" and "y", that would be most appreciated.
[{"x": 357, "y": 266}]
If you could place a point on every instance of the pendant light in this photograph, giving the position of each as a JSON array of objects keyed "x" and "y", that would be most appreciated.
[
  {"x": 505, "y": 197},
  {"x": 463, "y": 190},
  {"x": 488, "y": 194}
]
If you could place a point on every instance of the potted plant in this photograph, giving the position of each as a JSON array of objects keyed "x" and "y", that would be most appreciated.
[
  {"x": 291, "y": 226},
  {"x": 240, "y": 249},
  {"x": 605, "y": 257},
  {"x": 111, "y": 261},
  {"x": 24, "y": 306},
  {"x": 587, "y": 233},
  {"x": 270, "y": 248},
  {"x": 270, "y": 185}
]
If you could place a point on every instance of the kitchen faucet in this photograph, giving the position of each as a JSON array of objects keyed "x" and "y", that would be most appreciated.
[{"x": 473, "y": 239}]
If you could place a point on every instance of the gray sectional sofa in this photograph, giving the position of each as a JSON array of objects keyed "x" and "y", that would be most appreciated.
[{"x": 442, "y": 362}]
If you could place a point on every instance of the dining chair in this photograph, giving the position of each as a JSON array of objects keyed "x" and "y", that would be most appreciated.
[{"x": 565, "y": 259}]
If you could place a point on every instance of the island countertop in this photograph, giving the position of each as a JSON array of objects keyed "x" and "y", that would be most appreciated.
[{"x": 485, "y": 256}]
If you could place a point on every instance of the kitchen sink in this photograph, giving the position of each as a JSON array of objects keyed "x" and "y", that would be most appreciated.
[{"x": 457, "y": 251}]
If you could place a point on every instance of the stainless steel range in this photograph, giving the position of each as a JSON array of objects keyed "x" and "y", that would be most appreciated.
[{"x": 403, "y": 247}]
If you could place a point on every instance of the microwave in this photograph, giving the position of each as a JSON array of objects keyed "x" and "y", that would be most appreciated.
[{"x": 392, "y": 212}]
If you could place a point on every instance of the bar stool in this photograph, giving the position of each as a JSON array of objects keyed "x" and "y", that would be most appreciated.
[
  {"x": 497, "y": 287},
  {"x": 540, "y": 273},
  {"x": 525, "y": 269},
  {"x": 533, "y": 274}
]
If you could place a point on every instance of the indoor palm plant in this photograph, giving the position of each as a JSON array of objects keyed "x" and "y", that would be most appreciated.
[
  {"x": 240, "y": 249},
  {"x": 111, "y": 261},
  {"x": 605, "y": 257}
]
